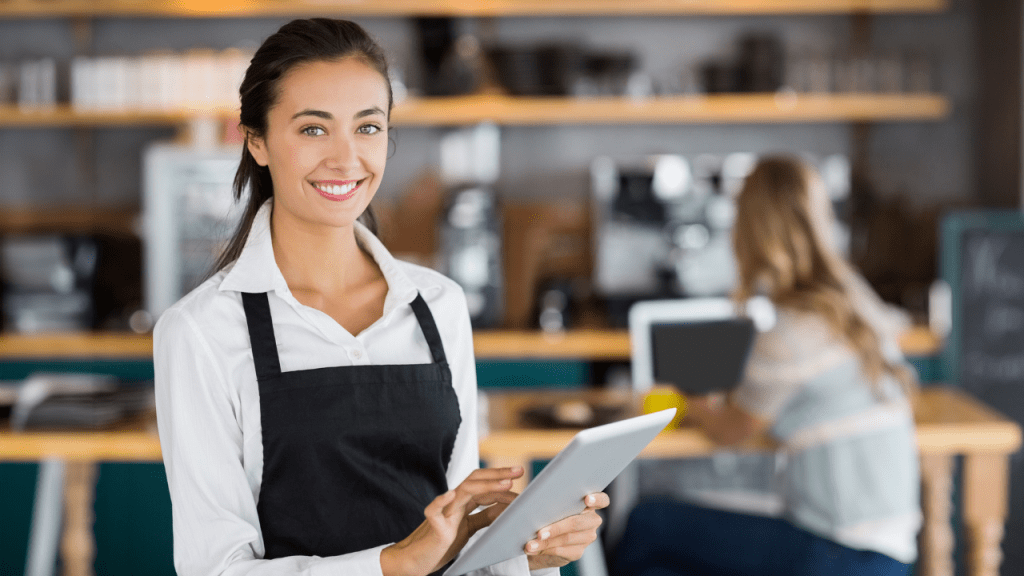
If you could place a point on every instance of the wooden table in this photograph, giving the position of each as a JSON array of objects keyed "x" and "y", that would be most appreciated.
[{"x": 950, "y": 423}]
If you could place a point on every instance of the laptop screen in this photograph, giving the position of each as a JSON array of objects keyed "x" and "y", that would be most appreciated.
[{"x": 704, "y": 356}]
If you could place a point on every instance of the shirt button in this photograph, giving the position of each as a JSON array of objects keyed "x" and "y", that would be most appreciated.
[{"x": 356, "y": 354}]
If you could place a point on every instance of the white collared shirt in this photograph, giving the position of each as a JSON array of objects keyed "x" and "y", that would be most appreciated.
[{"x": 208, "y": 408}]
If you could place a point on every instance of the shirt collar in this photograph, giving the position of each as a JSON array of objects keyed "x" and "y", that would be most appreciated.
[{"x": 256, "y": 268}]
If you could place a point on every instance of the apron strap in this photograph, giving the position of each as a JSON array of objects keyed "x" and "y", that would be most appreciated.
[
  {"x": 261, "y": 334},
  {"x": 429, "y": 328}
]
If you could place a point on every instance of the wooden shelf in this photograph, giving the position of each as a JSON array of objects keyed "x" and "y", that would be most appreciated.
[
  {"x": 609, "y": 345},
  {"x": 399, "y": 8},
  {"x": 534, "y": 111},
  {"x": 581, "y": 344},
  {"x": 701, "y": 109},
  {"x": 77, "y": 346},
  {"x": 66, "y": 117},
  {"x": 116, "y": 221}
]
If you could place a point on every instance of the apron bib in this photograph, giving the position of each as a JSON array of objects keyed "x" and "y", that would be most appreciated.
[{"x": 351, "y": 454}]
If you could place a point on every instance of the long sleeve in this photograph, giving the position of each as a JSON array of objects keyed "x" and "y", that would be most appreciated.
[{"x": 215, "y": 524}]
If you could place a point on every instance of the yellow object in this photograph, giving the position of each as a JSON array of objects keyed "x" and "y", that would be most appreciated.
[{"x": 663, "y": 398}]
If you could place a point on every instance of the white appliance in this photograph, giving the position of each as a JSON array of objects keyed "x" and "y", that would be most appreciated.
[{"x": 189, "y": 214}]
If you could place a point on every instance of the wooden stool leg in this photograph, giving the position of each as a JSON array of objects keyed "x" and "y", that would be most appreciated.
[
  {"x": 986, "y": 479},
  {"x": 937, "y": 539},
  {"x": 78, "y": 547}
]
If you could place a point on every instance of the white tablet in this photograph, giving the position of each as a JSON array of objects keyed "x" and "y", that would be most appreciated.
[{"x": 589, "y": 463}]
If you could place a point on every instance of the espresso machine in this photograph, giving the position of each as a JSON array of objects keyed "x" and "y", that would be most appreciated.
[
  {"x": 663, "y": 224},
  {"x": 652, "y": 235},
  {"x": 470, "y": 231}
]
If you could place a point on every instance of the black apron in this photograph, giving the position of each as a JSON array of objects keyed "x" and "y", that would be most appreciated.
[{"x": 351, "y": 454}]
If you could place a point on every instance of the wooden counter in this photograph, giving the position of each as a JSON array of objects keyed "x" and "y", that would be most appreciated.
[
  {"x": 949, "y": 423},
  {"x": 593, "y": 344}
]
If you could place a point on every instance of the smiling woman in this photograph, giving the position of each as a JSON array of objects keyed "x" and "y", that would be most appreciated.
[
  {"x": 326, "y": 143},
  {"x": 297, "y": 45},
  {"x": 314, "y": 417}
]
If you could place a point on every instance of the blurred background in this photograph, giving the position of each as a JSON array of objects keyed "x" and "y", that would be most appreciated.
[{"x": 560, "y": 160}]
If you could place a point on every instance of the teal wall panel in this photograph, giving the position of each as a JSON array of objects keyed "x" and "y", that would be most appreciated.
[
  {"x": 133, "y": 520},
  {"x": 17, "y": 488},
  {"x": 532, "y": 373},
  {"x": 930, "y": 369},
  {"x": 123, "y": 369}
]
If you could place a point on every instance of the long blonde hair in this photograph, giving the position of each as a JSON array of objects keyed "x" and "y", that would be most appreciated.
[{"x": 784, "y": 248}]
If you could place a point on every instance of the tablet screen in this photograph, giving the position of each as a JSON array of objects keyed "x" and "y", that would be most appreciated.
[{"x": 702, "y": 357}]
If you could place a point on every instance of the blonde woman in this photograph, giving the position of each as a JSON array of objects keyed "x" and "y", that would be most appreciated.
[{"x": 828, "y": 382}]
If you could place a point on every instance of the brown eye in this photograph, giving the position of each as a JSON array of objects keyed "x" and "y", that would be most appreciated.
[
  {"x": 369, "y": 129},
  {"x": 313, "y": 131}
]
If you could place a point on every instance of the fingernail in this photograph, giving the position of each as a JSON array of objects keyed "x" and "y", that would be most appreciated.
[
  {"x": 506, "y": 482},
  {"x": 544, "y": 535},
  {"x": 591, "y": 499},
  {"x": 532, "y": 546}
]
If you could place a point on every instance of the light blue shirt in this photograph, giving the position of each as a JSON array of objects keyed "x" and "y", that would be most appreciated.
[{"x": 852, "y": 465}]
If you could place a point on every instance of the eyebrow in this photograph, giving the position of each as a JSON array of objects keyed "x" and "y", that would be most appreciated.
[{"x": 328, "y": 116}]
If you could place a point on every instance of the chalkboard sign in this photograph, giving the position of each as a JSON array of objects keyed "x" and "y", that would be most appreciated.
[{"x": 983, "y": 262}]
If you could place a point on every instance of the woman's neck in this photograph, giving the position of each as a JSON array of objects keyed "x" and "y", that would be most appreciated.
[{"x": 320, "y": 259}]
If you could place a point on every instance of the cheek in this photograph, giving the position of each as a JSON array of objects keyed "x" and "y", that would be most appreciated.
[
  {"x": 304, "y": 157},
  {"x": 378, "y": 154}
]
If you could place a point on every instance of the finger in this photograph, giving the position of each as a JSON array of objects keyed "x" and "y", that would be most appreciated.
[
  {"x": 496, "y": 473},
  {"x": 472, "y": 493},
  {"x": 542, "y": 561},
  {"x": 586, "y": 520},
  {"x": 570, "y": 539},
  {"x": 435, "y": 511},
  {"x": 438, "y": 504},
  {"x": 597, "y": 501},
  {"x": 495, "y": 498},
  {"x": 486, "y": 516},
  {"x": 561, "y": 555},
  {"x": 489, "y": 514}
]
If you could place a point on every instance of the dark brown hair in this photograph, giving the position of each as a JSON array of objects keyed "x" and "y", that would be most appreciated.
[{"x": 297, "y": 42}]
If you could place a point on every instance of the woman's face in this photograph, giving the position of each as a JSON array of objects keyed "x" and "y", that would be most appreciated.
[{"x": 326, "y": 142}]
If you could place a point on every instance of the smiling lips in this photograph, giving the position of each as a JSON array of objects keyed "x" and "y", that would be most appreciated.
[{"x": 337, "y": 190}]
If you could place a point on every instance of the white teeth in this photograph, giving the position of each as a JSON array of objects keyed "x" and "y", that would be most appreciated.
[{"x": 334, "y": 190}]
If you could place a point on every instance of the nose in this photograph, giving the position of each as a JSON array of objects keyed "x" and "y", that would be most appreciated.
[{"x": 344, "y": 154}]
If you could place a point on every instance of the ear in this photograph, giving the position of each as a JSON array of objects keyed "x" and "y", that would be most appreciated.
[{"x": 257, "y": 147}]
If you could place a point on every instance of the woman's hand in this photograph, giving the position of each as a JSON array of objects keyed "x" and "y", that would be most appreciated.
[
  {"x": 701, "y": 408},
  {"x": 721, "y": 420},
  {"x": 565, "y": 540},
  {"x": 450, "y": 522}
]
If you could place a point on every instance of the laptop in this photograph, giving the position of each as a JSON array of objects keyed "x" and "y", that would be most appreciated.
[{"x": 698, "y": 345}]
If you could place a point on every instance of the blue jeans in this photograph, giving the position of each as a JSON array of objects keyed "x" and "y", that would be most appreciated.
[{"x": 668, "y": 538}]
